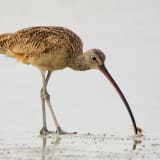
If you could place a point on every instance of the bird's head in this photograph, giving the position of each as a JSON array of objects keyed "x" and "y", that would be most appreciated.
[{"x": 95, "y": 59}]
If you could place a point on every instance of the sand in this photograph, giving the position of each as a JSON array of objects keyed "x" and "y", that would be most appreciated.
[{"x": 31, "y": 146}]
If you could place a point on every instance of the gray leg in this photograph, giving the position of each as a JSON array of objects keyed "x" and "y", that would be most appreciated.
[
  {"x": 44, "y": 130},
  {"x": 58, "y": 128},
  {"x": 46, "y": 97}
]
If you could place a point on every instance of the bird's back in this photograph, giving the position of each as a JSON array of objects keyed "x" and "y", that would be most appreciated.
[{"x": 49, "y": 48}]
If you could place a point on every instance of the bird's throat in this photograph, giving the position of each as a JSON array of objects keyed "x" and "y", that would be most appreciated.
[{"x": 79, "y": 63}]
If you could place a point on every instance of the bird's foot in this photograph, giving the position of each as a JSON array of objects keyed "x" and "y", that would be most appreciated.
[
  {"x": 62, "y": 132},
  {"x": 45, "y": 132}
]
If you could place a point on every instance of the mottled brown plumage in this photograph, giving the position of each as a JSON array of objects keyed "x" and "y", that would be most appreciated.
[
  {"x": 52, "y": 48},
  {"x": 48, "y": 48}
]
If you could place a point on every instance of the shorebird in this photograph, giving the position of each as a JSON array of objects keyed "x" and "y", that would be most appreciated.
[{"x": 51, "y": 48}]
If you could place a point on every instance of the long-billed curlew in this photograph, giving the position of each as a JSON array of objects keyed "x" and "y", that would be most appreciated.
[{"x": 52, "y": 48}]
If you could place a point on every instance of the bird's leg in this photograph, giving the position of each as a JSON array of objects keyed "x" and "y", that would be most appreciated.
[
  {"x": 46, "y": 97},
  {"x": 44, "y": 130},
  {"x": 58, "y": 128}
]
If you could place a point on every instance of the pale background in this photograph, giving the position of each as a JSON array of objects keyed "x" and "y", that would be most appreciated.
[{"x": 129, "y": 34}]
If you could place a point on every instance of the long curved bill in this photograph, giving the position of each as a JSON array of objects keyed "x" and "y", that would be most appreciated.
[{"x": 104, "y": 70}]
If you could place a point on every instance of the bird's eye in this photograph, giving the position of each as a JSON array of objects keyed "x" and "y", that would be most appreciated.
[{"x": 93, "y": 58}]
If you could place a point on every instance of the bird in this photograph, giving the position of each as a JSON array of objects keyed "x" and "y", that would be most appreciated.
[{"x": 52, "y": 48}]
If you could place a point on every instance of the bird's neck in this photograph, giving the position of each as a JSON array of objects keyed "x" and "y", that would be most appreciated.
[{"x": 79, "y": 63}]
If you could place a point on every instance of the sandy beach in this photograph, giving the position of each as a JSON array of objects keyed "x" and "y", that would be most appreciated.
[{"x": 29, "y": 146}]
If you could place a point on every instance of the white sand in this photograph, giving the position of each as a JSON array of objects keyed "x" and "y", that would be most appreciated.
[{"x": 27, "y": 146}]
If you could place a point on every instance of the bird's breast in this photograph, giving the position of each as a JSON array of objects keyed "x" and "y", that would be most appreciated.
[{"x": 50, "y": 61}]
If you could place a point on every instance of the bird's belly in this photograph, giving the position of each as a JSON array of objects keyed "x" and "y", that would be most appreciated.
[{"x": 49, "y": 62}]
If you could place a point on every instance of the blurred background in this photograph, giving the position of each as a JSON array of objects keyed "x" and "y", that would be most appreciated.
[{"x": 128, "y": 33}]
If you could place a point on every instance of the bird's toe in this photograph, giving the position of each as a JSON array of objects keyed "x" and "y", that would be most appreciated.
[
  {"x": 62, "y": 132},
  {"x": 45, "y": 131}
]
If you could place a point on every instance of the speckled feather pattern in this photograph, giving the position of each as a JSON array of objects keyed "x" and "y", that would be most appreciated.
[{"x": 40, "y": 46}]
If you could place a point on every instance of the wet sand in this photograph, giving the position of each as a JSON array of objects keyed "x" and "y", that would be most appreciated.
[{"x": 29, "y": 146}]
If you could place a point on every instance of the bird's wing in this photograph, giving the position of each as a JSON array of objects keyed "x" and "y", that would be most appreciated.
[{"x": 37, "y": 41}]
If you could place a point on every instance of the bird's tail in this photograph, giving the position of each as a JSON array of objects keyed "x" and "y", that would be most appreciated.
[{"x": 4, "y": 42}]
